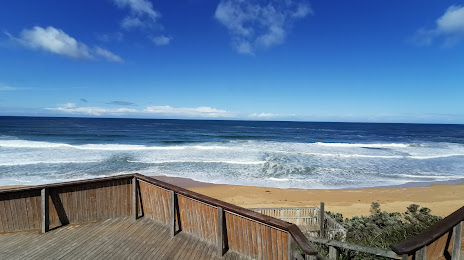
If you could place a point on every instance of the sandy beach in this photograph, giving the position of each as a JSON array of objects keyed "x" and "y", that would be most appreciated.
[{"x": 442, "y": 199}]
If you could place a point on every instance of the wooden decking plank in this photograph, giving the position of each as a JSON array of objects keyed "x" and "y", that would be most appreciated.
[
  {"x": 72, "y": 243},
  {"x": 76, "y": 235},
  {"x": 182, "y": 247},
  {"x": 162, "y": 235},
  {"x": 120, "y": 238},
  {"x": 29, "y": 240},
  {"x": 196, "y": 252},
  {"x": 206, "y": 251},
  {"x": 165, "y": 242},
  {"x": 171, "y": 246},
  {"x": 103, "y": 239},
  {"x": 30, "y": 243},
  {"x": 138, "y": 248},
  {"x": 188, "y": 248},
  {"x": 101, "y": 229},
  {"x": 66, "y": 236}
]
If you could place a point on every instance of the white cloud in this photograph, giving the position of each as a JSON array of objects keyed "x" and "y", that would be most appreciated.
[
  {"x": 167, "y": 111},
  {"x": 450, "y": 27},
  {"x": 7, "y": 88},
  {"x": 142, "y": 14},
  {"x": 263, "y": 115},
  {"x": 108, "y": 55},
  {"x": 189, "y": 112},
  {"x": 257, "y": 24},
  {"x": 162, "y": 40},
  {"x": 95, "y": 111},
  {"x": 57, "y": 41}
]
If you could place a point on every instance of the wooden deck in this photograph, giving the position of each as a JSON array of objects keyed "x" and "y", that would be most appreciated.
[{"x": 118, "y": 238}]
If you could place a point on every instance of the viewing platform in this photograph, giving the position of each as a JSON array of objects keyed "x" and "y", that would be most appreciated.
[{"x": 138, "y": 217}]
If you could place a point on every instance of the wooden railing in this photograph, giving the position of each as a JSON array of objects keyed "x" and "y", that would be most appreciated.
[
  {"x": 443, "y": 240},
  {"x": 50, "y": 206},
  {"x": 335, "y": 247},
  {"x": 224, "y": 225},
  {"x": 311, "y": 220}
]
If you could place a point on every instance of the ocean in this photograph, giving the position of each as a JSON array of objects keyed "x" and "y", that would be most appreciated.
[{"x": 310, "y": 155}]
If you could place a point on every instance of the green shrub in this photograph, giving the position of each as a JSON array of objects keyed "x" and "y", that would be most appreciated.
[{"x": 382, "y": 229}]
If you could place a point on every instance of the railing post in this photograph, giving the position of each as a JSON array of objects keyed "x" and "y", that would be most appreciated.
[
  {"x": 291, "y": 247},
  {"x": 134, "y": 198},
  {"x": 457, "y": 238},
  {"x": 421, "y": 254},
  {"x": 334, "y": 253},
  {"x": 45, "y": 210},
  {"x": 321, "y": 220},
  {"x": 220, "y": 231},
  {"x": 173, "y": 213}
]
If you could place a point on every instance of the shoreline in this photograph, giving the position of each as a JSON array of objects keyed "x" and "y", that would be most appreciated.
[{"x": 443, "y": 197}]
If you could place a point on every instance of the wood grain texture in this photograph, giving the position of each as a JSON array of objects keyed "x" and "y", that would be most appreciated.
[
  {"x": 84, "y": 202},
  {"x": 254, "y": 239},
  {"x": 130, "y": 239}
]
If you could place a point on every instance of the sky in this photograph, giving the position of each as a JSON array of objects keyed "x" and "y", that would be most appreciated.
[{"x": 316, "y": 60}]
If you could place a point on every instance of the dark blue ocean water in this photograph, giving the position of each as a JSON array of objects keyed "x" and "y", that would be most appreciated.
[{"x": 277, "y": 154}]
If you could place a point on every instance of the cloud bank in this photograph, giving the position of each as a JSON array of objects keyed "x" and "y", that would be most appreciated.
[
  {"x": 71, "y": 108},
  {"x": 257, "y": 24},
  {"x": 262, "y": 115},
  {"x": 179, "y": 112},
  {"x": 58, "y": 42},
  {"x": 449, "y": 27}
]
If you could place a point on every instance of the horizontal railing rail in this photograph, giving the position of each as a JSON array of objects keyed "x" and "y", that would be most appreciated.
[
  {"x": 65, "y": 184},
  {"x": 308, "y": 219},
  {"x": 438, "y": 235},
  {"x": 336, "y": 246}
]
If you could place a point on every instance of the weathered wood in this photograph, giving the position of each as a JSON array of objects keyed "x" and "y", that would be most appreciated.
[
  {"x": 70, "y": 183},
  {"x": 220, "y": 231},
  {"x": 321, "y": 220},
  {"x": 173, "y": 214},
  {"x": 86, "y": 201},
  {"x": 334, "y": 254},
  {"x": 291, "y": 247},
  {"x": 44, "y": 210},
  {"x": 134, "y": 198},
  {"x": 421, "y": 254},
  {"x": 364, "y": 249},
  {"x": 457, "y": 238},
  {"x": 431, "y": 234},
  {"x": 129, "y": 240}
]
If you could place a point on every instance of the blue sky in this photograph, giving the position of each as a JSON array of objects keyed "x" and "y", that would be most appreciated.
[{"x": 319, "y": 60}]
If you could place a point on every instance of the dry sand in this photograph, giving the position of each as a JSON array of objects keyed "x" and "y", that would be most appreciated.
[{"x": 442, "y": 199}]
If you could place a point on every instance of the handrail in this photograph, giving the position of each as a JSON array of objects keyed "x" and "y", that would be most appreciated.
[
  {"x": 68, "y": 183},
  {"x": 353, "y": 247},
  {"x": 292, "y": 229},
  {"x": 429, "y": 235}
]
